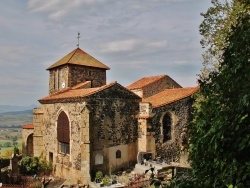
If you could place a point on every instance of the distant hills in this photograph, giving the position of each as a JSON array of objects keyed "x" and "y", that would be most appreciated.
[
  {"x": 15, "y": 115},
  {"x": 10, "y": 108}
]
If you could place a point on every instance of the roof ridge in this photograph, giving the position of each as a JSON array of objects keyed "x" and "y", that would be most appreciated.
[
  {"x": 74, "y": 52},
  {"x": 156, "y": 78}
]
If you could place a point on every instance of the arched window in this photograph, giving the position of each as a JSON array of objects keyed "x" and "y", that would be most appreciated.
[
  {"x": 166, "y": 123},
  {"x": 63, "y": 133},
  {"x": 118, "y": 154}
]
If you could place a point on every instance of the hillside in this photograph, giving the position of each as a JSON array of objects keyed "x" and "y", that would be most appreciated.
[
  {"x": 10, "y": 108},
  {"x": 15, "y": 118}
]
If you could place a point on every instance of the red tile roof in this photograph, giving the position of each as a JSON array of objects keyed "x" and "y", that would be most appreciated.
[
  {"x": 79, "y": 57},
  {"x": 145, "y": 81},
  {"x": 75, "y": 93},
  {"x": 170, "y": 95},
  {"x": 29, "y": 126},
  {"x": 82, "y": 85}
]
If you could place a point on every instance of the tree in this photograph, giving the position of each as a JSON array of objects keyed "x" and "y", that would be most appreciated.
[
  {"x": 7, "y": 144},
  {"x": 29, "y": 165},
  {"x": 33, "y": 165},
  {"x": 215, "y": 29},
  {"x": 220, "y": 131}
]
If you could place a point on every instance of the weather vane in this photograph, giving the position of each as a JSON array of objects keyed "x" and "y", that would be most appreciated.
[{"x": 78, "y": 37}]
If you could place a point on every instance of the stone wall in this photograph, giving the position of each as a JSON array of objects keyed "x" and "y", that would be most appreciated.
[
  {"x": 26, "y": 145},
  {"x": 57, "y": 77},
  {"x": 158, "y": 86},
  {"x": 72, "y": 75},
  {"x": 79, "y": 74},
  {"x": 180, "y": 112},
  {"x": 64, "y": 165},
  {"x": 38, "y": 135},
  {"x": 100, "y": 124},
  {"x": 114, "y": 125}
]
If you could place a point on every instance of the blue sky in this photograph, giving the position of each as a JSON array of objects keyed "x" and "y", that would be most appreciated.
[{"x": 135, "y": 38}]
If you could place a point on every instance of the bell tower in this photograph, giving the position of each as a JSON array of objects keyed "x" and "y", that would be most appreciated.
[{"x": 75, "y": 68}]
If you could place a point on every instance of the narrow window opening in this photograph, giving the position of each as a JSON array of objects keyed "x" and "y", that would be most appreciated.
[
  {"x": 118, "y": 154},
  {"x": 166, "y": 128}
]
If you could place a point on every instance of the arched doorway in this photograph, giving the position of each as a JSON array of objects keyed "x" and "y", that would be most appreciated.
[{"x": 29, "y": 145}]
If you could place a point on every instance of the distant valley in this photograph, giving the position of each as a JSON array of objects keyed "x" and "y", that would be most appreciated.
[{"x": 12, "y": 116}]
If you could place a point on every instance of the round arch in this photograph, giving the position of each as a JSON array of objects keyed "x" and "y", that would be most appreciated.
[{"x": 29, "y": 145}]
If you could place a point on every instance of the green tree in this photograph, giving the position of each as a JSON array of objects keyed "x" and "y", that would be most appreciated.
[
  {"x": 215, "y": 29},
  {"x": 29, "y": 165},
  {"x": 220, "y": 132},
  {"x": 7, "y": 144},
  {"x": 33, "y": 165}
]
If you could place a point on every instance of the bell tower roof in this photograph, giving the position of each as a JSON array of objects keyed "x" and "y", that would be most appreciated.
[{"x": 79, "y": 57}]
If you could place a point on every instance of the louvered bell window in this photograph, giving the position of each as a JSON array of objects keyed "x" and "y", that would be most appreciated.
[{"x": 63, "y": 133}]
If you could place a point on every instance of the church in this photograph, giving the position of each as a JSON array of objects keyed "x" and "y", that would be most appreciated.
[{"x": 86, "y": 125}]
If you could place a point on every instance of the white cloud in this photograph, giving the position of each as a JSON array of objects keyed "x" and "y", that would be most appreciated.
[
  {"x": 58, "y": 9},
  {"x": 131, "y": 45},
  {"x": 136, "y": 38}
]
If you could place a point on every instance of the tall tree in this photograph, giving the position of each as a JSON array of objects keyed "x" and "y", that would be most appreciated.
[
  {"x": 220, "y": 132},
  {"x": 215, "y": 28}
]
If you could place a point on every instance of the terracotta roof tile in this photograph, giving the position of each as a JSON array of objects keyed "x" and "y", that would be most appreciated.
[
  {"x": 82, "y": 85},
  {"x": 170, "y": 95},
  {"x": 75, "y": 93},
  {"x": 79, "y": 57},
  {"x": 29, "y": 126},
  {"x": 145, "y": 81}
]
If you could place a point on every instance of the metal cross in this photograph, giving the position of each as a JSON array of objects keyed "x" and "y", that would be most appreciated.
[{"x": 78, "y": 37}]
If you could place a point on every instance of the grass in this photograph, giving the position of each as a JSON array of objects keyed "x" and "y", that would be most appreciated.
[{"x": 6, "y": 149}]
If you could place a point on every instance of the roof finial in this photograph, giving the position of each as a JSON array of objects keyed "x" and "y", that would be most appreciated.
[{"x": 78, "y": 37}]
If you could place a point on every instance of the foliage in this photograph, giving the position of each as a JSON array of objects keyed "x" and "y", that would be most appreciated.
[
  {"x": 33, "y": 165},
  {"x": 106, "y": 180},
  {"x": 182, "y": 181},
  {"x": 7, "y": 144},
  {"x": 7, "y": 154},
  {"x": 16, "y": 150},
  {"x": 220, "y": 132},
  {"x": 29, "y": 165},
  {"x": 98, "y": 176},
  {"x": 43, "y": 164},
  {"x": 216, "y": 28},
  {"x": 4, "y": 162}
]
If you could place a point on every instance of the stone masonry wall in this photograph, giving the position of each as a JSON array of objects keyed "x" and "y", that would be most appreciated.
[
  {"x": 160, "y": 85},
  {"x": 25, "y": 134},
  {"x": 66, "y": 166},
  {"x": 38, "y": 135},
  {"x": 114, "y": 124},
  {"x": 57, "y": 78},
  {"x": 79, "y": 74},
  {"x": 180, "y": 112}
]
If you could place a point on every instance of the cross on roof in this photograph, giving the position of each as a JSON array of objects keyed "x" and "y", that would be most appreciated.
[{"x": 78, "y": 37}]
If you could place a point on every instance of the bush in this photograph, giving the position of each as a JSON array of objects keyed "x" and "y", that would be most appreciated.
[
  {"x": 29, "y": 165},
  {"x": 4, "y": 162}
]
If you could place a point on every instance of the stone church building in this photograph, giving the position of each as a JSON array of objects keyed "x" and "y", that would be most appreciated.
[{"x": 85, "y": 125}]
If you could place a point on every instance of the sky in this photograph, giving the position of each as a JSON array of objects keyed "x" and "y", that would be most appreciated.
[{"x": 135, "y": 38}]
